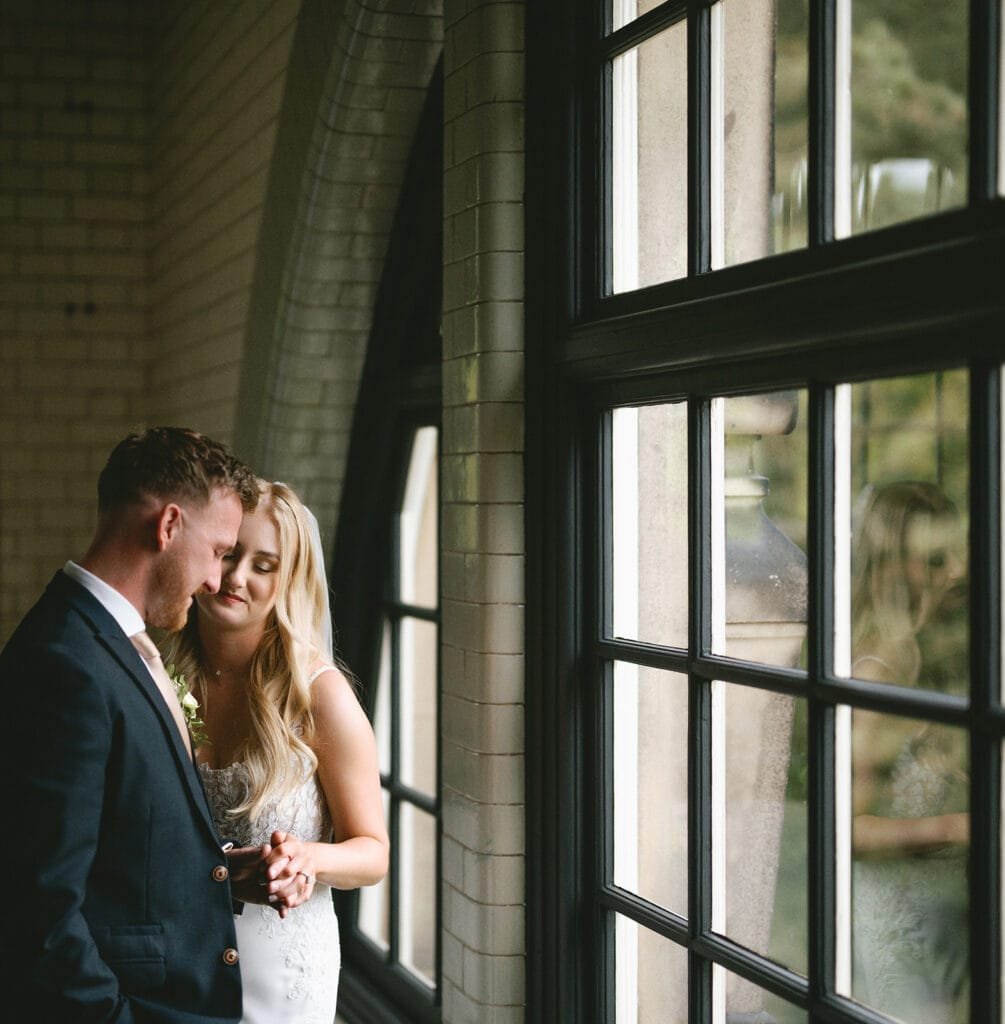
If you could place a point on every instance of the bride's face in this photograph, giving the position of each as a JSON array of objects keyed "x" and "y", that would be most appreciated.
[{"x": 250, "y": 580}]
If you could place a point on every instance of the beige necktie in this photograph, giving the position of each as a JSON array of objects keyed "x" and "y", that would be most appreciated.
[{"x": 148, "y": 651}]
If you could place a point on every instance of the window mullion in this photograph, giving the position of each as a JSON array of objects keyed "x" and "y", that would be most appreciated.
[
  {"x": 821, "y": 713},
  {"x": 700, "y": 708},
  {"x": 699, "y": 128},
  {"x": 985, "y": 674},
  {"x": 394, "y": 825},
  {"x": 821, "y": 90},
  {"x": 983, "y": 87}
]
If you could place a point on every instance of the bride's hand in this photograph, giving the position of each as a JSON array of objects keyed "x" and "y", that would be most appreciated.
[{"x": 289, "y": 872}]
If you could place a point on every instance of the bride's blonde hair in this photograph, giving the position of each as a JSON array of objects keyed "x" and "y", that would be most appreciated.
[{"x": 282, "y": 723}]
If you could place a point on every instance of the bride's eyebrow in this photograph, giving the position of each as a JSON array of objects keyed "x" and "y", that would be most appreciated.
[{"x": 266, "y": 554}]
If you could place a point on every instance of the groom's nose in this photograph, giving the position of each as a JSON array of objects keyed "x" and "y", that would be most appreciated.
[{"x": 212, "y": 582}]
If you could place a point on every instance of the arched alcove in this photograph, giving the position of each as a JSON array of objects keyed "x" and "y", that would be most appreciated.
[{"x": 355, "y": 89}]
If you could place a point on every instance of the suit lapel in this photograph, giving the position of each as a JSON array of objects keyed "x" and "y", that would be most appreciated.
[
  {"x": 108, "y": 633},
  {"x": 123, "y": 651}
]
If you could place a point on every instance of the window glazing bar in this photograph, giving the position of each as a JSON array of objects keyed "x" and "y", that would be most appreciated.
[
  {"x": 642, "y": 28},
  {"x": 986, "y": 175},
  {"x": 820, "y": 171},
  {"x": 700, "y": 477},
  {"x": 821, "y": 725},
  {"x": 699, "y": 127},
  {"x": 986, "y": 679}
]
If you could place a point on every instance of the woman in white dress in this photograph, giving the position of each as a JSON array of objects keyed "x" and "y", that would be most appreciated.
[
  {"x": 290, "y": 766},
  {"x": 910, "y": 826}
]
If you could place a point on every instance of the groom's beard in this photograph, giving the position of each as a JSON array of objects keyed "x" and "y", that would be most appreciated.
[{"x": 168, "y": 608}]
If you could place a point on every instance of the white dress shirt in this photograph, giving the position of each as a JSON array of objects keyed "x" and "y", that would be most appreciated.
[{"x": 124, "y": 613}]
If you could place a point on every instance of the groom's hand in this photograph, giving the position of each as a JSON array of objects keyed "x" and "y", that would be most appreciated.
[{"x": 246, "y": 865}]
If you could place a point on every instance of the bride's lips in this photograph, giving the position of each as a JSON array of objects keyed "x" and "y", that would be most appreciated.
[{"x": 230, "y": 599}]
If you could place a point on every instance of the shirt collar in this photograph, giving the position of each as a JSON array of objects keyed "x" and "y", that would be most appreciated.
[{"x": 124, "y": 613}]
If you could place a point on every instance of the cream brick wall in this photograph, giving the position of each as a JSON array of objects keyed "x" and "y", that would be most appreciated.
[
  {"x": 380, "y": 64},
  {"x": 217, "y": 77},
  {"x": 482, "y": 537},
  {"x": 72, "y": 273}
]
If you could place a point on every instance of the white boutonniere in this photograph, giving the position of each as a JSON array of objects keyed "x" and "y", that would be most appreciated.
[{"x": 189, "y": 708}]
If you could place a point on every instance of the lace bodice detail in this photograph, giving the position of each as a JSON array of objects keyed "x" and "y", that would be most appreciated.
[{"x": 302, "y": 811}]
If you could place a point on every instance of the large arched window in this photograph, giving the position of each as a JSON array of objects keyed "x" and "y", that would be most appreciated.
[{"x": 386, "y": 607}]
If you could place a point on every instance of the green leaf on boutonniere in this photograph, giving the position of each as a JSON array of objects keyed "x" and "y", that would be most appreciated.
[{"x": 189, "y": 708}]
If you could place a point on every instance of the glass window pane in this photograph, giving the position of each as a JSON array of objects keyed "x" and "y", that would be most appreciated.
[
  {"x": 417, "y": 524},
  {"x": 624, "y": 11},
  {"x": 417, "y": 697},
  {"x": 764, "y": 814},
  {"x": 907, "y": 131},
  {"x": 910, "y": 839},
  {"x": 650, "y": 784},
  {"x": 373, "y": 915},
  {"x": 382, "y": 708},
  {"x": 909, "y": 483},
  {"x": 762, "y": 566},
  {"x": 417, "y": 894},
  {"x": 759, "y": 128},
  {"x": 650, "y": 976},
  {"x": 745, "y": 1003},
  {"x": 649, "y": 523},
  {"x": 649, "y": 154}
]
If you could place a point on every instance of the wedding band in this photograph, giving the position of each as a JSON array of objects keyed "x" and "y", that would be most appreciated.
[{"x": 307, "y": 877}]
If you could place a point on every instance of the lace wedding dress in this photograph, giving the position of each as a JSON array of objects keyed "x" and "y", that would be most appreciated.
[{"x": 289, "y": 968}]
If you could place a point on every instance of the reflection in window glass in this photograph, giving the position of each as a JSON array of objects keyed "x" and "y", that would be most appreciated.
[
  {"x": 649, "y": 169},
  {"x": 910, "y": 838},
  {"x": 649, "y": 523},
  {"x": 650, "y": 976},
  {"x": 908, "y": 120},
  {"x": 759, "y": 128},
  {"x": 746, "y": 1002},
  {"x": 764, "y": 831},
  {"x": 791, "y": 128},
  {"x": 417, "y": 898},
  {"x": 764, "y": 570},
  {"x": 650, "y": 784},
  {"x": 909, "y": 481}
]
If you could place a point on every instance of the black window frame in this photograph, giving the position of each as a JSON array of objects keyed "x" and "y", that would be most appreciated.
[
  {"x": 400, "y": 392},
  {"x": 923, "y": 295}
]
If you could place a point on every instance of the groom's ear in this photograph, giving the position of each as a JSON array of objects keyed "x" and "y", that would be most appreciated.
[{"x": 168, "y": 525}]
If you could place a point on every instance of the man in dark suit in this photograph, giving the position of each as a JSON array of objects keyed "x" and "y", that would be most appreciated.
[{"x": 118, "y": 904}]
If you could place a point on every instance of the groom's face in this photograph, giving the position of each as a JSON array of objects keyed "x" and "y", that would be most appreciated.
[{"x": 193, "y": 561}]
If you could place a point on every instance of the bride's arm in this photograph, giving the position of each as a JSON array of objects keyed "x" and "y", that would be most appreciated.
[{"x": 350, "y": 779}]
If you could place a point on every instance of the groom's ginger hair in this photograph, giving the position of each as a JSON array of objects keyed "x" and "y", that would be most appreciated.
[{"x": 173, "y": 464}]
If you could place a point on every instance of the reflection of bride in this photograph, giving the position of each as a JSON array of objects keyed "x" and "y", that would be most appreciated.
[
  {"x": 910, "y": 828},
  {"x": 906, "y": 564}
]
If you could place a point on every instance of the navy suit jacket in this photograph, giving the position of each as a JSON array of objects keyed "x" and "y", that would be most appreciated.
[{"x": 115, "y": 905}]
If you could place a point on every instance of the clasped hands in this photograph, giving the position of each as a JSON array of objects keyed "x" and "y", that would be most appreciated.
[{"x": 279, "y": 873}]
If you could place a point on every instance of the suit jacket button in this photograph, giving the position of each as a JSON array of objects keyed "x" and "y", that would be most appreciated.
[
  {"x": 220, "y": 873},
  {"x": 230, "y": 957}
]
